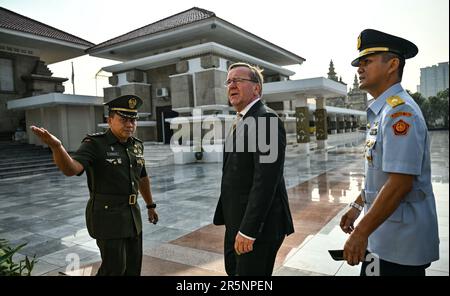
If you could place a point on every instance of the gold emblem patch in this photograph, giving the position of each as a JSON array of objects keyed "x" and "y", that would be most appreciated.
[
  {"x": 358, "y": 42},
  {"x": 400, "y": 128},
  {"x": 132, "y": 103}
]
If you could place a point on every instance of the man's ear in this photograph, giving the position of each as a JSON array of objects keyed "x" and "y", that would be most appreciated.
[
  {"x": 258, "y": 89},
  {"x": 394, "y": 65}
]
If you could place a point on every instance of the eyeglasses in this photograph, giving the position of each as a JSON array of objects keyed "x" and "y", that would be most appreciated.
[{"x": 236, "y": 80}]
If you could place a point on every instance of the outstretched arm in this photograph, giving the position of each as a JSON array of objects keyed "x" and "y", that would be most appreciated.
[{"x": 62, "y": 159}]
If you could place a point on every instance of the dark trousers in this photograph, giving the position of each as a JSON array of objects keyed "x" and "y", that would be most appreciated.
[
  {"x": 260, "y": 261},
  {"x": 387, "y": 268},
  {"x": 121, "y": 256}
]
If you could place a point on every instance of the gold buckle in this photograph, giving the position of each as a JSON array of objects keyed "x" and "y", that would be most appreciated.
[{"x": 132, "y": 199}]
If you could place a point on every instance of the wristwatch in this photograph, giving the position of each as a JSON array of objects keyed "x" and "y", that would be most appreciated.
[
  {"x": 356, "y": 206},
  {"x": 151, "y": 206}
]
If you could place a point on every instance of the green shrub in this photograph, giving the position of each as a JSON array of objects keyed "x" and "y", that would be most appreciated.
[{"x": 8, "y": 266}]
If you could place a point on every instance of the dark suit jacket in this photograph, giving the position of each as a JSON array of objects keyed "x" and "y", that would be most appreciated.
[{"x": 253, "y": 196}]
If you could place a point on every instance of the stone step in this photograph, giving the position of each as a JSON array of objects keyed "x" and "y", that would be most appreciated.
[
  {"x": 157, "y": 154},
  {"x": 25, "y": 167},
  {"x": 25, "y": 157},
  {"x": 21, "y": 161},
  {"x": 37, "y": 171}
]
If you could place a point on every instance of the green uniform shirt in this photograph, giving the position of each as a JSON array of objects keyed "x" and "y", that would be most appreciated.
[{"x": 113, "y": 171}]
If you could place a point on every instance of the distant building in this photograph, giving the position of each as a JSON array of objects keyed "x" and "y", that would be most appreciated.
[
  {"x": 433, "y": 79},
  {"x": 26, "y": 48},
  {"x": 336, "y": 101},
  {"x": 178, "y": 66},
  {"x": 357, "y": 98}
]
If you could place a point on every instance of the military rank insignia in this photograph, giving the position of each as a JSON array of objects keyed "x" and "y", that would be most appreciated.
[
  {"x": 400, "y": 128},
  {"x": 395, "y": 101}
]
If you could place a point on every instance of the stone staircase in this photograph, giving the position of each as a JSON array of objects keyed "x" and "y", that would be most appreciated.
[
  {"x": 19, "y": 159},
  {"x": 157, "y": 154}
]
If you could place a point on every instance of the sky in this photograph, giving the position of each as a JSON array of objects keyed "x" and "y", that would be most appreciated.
[{"x": 318, "y": 30}]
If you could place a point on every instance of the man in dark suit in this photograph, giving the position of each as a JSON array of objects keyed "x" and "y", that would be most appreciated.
[
  {"x": 115, "y": 169},
  {"x": 253, "y": 202}
]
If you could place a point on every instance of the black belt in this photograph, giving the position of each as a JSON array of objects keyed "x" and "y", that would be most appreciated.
[{"x": 115, "y": 198}]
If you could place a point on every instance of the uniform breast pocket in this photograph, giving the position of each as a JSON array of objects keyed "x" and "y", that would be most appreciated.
[{"x": 113, "y": 167}]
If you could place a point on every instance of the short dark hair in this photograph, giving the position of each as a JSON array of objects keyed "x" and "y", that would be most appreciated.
[
  {"x": 387, "y": 56},
  {"x": 111, "y": 113},
  {"x": 255, "y": 72}
]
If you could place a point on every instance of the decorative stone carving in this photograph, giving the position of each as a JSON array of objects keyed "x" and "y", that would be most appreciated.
[
  {"x": 321, "y": 124},
  {"x": 302, "y": 119}
]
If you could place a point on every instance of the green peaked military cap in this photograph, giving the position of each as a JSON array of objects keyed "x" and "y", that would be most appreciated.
[
  {"x": 126, "y": 105},
  {"x": 372, "y": 41}
]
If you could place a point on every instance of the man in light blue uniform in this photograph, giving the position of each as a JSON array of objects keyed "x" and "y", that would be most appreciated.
[{"x": 399, "y": 227}]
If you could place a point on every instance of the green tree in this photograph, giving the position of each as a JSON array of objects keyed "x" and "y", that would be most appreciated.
[
  {"x": 439, "y": 104},
  {"x": 424, "y": 105}
]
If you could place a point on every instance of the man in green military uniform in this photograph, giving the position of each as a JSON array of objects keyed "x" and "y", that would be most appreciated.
[{"x": 115, "y": 169}]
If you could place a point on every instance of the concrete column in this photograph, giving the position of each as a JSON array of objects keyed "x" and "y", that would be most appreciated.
[
  {"x": 302, "y": 120},
  {"x": 181, "y": 91},
  {"x": 321, "y": 123},
  {"x": 110, "y": 93},
  {"x": 353, "y": 123},
  {"x": 340, "y": 124},
  {"x": 64, "y": 126},
  {"x": 348, "y": 124},
  {"x": 208, "y": 87},
  {"x": 333, "y": 124},
  {"x": 357, "y": 121}
]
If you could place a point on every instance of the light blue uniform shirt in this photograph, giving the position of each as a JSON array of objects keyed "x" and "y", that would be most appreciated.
[{"x": 397, "y": 141}]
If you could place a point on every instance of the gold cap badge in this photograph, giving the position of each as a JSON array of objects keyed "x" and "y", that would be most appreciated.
[
  {"x": 358, "y": 42},
  {"x": 132, "y": 103}
]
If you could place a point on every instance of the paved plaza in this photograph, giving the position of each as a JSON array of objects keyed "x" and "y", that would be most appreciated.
[{"x": 47, "y": 212}]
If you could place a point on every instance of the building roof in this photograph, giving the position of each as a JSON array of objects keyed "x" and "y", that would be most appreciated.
[
  {"x": 187, "y": 28},
  {"x": 186, "y": 17},
  {"x": 318, "y": 87},
  {"x": 14, "y": 21},
  {"x": 174, "y": 56}
]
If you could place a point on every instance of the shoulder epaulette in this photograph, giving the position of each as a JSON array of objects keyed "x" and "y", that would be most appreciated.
[
  {"x": 395, "y": 101},
  {"x": 137, "y": 140},
  {"x": 96, "y": 134}
]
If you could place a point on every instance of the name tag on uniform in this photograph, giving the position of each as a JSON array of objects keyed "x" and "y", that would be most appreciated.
[{"x": 115, "y": 153}]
